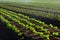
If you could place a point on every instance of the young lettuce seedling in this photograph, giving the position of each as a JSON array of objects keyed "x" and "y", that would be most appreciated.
[
  {"x": 46, "y": 37},
  {"x": 55, "y": 27},
  {"x": 19, "y": 34},
  {"x": 55, "y": 34},
  {"x": 50, "y": 25},
  {"x": 9, "y": 26},
  {"x": 39, "y": 33}
]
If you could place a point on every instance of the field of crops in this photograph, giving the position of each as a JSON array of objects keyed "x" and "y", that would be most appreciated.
[{"x": 24, "y": 21}]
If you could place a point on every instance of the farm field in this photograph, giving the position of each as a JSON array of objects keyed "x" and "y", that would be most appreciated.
[{"x": 29, "y": 22}]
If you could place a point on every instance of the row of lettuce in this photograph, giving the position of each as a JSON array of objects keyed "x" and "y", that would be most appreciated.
[
  {"x": 32, "y": 7},
  {"x": 41, "y": 13},
  {"x": 35, "y": 26}
]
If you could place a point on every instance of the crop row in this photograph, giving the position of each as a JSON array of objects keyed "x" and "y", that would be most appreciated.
[
  {"x": 35, "y": 8},
  {"x": 33, "y": 12},
  {"x": 11, "y": 27}
]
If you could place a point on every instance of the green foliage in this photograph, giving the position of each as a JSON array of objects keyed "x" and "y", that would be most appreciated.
[
  {"x": 55, "y": 34},
  {"x": 50, "y": 25}
]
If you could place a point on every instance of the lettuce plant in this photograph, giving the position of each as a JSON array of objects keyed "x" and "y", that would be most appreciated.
[{"x": 55, "y": 34}]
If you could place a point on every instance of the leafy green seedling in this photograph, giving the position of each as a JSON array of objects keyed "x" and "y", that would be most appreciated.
[
  {"x": 46, "y": 37},
  {"x": 50, "y": 25},
  {"x": 55, "y": 34},
  {"x": 19, "y": 34},
  {"x": 55, "y": 27}
]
